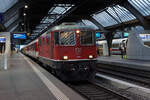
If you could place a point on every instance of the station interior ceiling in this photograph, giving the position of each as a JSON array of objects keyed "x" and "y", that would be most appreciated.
[{"x": 37, "y": 16}]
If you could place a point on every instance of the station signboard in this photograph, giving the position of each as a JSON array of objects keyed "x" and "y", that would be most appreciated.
[
  {"x": 2, "y": 39},
  {"x": 125, "y": 34},
  {"x": 19, "y": 36},
  {"x": 100, "y": 35}
]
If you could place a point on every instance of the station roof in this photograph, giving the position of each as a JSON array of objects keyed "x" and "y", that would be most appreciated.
[{"x": 108, "y": 14}]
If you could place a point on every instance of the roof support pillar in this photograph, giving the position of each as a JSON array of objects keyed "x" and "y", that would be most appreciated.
[
  {"x": 137, "y": 14},
  {"x": 109, "y": 37}
]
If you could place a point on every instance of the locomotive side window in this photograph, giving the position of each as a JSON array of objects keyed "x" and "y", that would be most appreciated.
[
  {"x": 56, "y": 38},
  {"x": 86, "y": 38},
  {"x": 67, "y": 38}
]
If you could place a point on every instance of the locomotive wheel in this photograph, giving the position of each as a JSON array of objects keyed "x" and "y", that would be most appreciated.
[
  {"x": 60, "y": 75},
  {"x": 53, "y": 71}
]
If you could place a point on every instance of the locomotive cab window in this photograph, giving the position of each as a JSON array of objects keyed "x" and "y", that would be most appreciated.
[
  {"x": 56, "y": 38},
  {"x": 67, "y": 38},
  {"x": 86, "y": 37}
]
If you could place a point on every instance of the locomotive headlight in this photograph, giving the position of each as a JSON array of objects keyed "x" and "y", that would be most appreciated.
[
  {"x": 65, "y": 57},
  {"x": 90, "y": 56},
  {"x": 78, "y": 31}
]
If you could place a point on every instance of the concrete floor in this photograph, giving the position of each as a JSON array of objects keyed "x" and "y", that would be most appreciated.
[
  {"x": 26, "y": 80},
  {"x": 20, "y": 82}
]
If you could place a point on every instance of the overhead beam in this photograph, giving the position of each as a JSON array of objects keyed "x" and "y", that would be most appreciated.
[
  {"x": 13, "y": 24},
  {"x": 143, "y": 21},
  {"x": 12, "y": 20},
  {"x": 10, "y": 12},
  {"x": 16, "y": 29},
  {"x": 96, "y": 23}
]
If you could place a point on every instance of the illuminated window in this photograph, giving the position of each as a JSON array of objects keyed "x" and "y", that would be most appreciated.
[{"x": 47, "y": 38}]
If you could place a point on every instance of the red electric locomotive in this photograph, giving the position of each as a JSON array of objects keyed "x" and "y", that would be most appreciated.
[{"x": 70, "y": 50}]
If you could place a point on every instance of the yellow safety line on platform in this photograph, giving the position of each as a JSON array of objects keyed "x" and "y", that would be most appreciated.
[{"x": 55, "y": 91}]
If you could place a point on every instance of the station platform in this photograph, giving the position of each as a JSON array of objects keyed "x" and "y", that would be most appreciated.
[
  {"x": 118, "y": 61},
  {"x": 26, "y": 80}
]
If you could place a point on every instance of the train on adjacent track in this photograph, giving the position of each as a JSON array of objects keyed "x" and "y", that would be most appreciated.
[
  {"x": 69, "y": 50},
  {"x": 116, "y": 44}
]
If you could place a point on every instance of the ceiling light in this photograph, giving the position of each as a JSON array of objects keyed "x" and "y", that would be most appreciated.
[
  {"x": 26, "y": 6},
  {"x": 24, "y": 14}
]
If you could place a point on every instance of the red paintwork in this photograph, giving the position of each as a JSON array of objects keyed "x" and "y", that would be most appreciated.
[
  {"x": 57, "y": 52},
  {"x": 115, "y": 50},
  {"x": 36, "y": 47}
]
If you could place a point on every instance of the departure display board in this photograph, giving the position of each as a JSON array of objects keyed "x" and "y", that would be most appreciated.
[
  {"x": 19, "y": 35},
  {"x": 98, "y": 34},
  {"x": 126, "y": 34}
]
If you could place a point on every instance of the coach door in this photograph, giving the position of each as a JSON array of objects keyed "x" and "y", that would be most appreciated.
[{"x": 52, "y": 46}]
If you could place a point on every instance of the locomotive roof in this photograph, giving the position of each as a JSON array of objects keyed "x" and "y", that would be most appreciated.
[
  {"x": 71, "y": 27},
  {"x": 36, "y": 40}
]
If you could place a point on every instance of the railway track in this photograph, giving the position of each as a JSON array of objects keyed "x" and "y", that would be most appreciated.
[
  {"x": 94, "y": 91},
  {"x": 140, "y": 77}
]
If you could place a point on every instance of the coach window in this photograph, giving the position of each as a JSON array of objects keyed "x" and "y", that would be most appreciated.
[
  {"x": 47, "y": 38},
  {"x": 67, "y": 38},
  {"x": 56, "y": 38},
  {"x": 115, "y": 45}
]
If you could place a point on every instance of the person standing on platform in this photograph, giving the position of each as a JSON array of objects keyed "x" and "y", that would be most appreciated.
[
  {"x": 121, "y": 51},
  {"x": 124, "y": 49}
]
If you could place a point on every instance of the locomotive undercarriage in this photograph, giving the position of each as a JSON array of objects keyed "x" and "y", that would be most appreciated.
[{"x": 72, "y": 70}]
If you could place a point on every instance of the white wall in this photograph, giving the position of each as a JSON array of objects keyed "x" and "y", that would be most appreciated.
[{"x": 136, "y": 48}]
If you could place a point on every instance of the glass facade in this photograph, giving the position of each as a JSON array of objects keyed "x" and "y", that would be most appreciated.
[
  {"x": 87, "y": 22},
  {"x": 143, "y": 6},
  {"x": 113, "y": 15},
  {"x": 104, "y": 19},
  {"x": 6, "y": 4}
]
